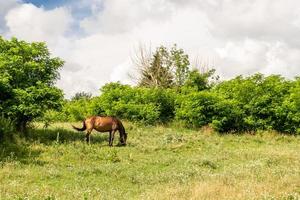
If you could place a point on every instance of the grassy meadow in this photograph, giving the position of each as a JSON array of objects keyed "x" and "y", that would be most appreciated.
[{"x": 159, "y": 162}]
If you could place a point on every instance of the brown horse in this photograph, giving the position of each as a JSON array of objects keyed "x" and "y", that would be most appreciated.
[{"x": 104, "y": 124}]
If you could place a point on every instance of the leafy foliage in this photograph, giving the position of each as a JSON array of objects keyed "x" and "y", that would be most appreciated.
[
  {"x": 138, "y": 104},
  {"x": 157, "y": 72},
  {"x": 202, "y": 108},
  {"x": 168, "y": 90},
  {"x": 260, "y": 98},
  {"x": 180, "y": 62},
  {"x": 27, "y": 77},
  {"x": 240, "y": 104},
  {"x": 197, "y": 81},
  {"x": 81, "y": 95},
  {"x": 165, "y": 68},
  {"x": 289, "y": 111},
  {"x": 72, "y": 110}
]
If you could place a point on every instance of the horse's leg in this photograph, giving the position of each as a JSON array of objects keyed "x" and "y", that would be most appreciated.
[
  {"x": 87, "y": 136},
  {"x": 125, "y": 138},
  {"x": 111, "y": 137},
  {"x": 121, "y": 137}
]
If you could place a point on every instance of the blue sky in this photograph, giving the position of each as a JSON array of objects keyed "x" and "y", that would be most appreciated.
[
  {"x": 48, "y": 4},
  {"x": 77, "y": 9}
]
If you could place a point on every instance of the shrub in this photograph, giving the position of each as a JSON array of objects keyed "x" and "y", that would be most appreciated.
[
  {"x": 27, "y": 76},
  {"x": 228, "y": 116},
  {"x": 197, "y": 108},
  {"x": 259, "y": 99},
  {"x": 149, "y": 105},
  {"x": 288, "y": 114},
  {"x": 72, "y": 110},
  {"x": 205, "y": 107},
  {"x": 77, "y": 110},
  {"x": 240, "y": 104}
]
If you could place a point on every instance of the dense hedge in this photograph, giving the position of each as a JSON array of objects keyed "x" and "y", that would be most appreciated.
[
  {"x": 205, "y": 107},
  {"x": 240, "y": 104},
  {"x": 265, "y": 102},
  {"x": 149, "y": 105}
]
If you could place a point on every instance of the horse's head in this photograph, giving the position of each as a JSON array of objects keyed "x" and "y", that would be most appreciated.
[{"x": 123, "y": 138}]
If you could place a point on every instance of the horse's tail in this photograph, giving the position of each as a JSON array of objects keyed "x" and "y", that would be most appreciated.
[
  {"x": 80, "y": 129},
  {"x": 122, "y": 130}
]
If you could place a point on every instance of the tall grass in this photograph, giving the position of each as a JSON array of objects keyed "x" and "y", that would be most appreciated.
[
  {"x": 7, "y": 128},
  {"x": 158, "y": 163}
]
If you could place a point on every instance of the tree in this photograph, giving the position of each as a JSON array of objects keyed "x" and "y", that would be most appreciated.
[
  {"x": 197, "y": 81},
  {"x": 81, "y": 95},
  {"x": 180, "y": 62},
  {"x": 158, "y": 73},
  {"x": 27, "y": 77},
  {"x": 164, "y": 68}
]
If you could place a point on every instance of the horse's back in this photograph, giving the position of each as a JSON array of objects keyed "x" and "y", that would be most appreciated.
[{"x": 103, "y": 123}]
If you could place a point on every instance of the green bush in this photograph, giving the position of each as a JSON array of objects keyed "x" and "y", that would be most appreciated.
[
  {"x": 259, "y": 98},
  {"x": 228, "y": 116},
  {"x": 28, "y": 74},
  {"x": 288, "y": 114},
  {"x": 197, "y": 108},
  {"x": 72, "y": 110},
  {"x": 244, "y": 104},
  {"x": 240, "y": 104},
  {"x": 77, "y": 110},
  {"x": 149, "y": 105},
  {"x": 205, "y": 107}
]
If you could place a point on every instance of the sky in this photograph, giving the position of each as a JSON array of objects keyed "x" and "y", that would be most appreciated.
[{"x": 99, "y": 38}]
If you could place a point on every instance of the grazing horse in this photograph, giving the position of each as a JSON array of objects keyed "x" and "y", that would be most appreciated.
[{"x": 104, "y": 124}]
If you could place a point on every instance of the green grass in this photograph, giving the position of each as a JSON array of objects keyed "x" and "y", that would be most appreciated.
[{"x": 158, "y": 163}]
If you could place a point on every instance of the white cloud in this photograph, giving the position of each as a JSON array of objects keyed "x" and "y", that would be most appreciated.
[
  {"x": 122, "y": 16},
  {"x": 240, "y": 37},
  {"x": 6, "y": 5},
  {"x": 122, "y": 73},
  {"x": 282, "y": 59},
  {"x": 31, "y": 23},
  {"x": 245, "y": 57}
]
